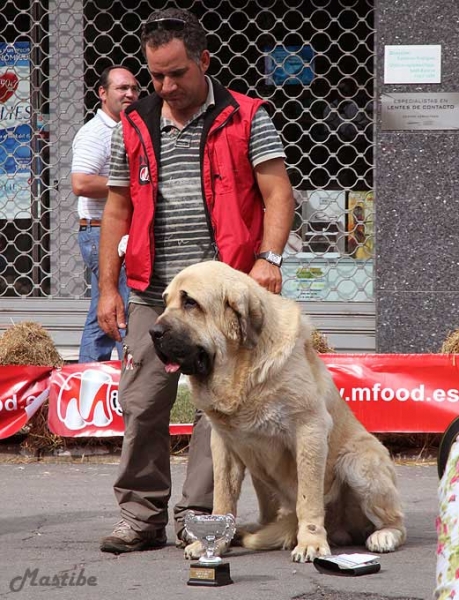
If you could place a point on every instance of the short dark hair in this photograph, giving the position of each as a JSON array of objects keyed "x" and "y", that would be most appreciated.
[
  {"x": 156, "y": 32},
  {"x": 104, "y": 79}
]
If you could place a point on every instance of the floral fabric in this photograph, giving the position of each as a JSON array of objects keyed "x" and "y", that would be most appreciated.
[{"x": 448, "y": 529}]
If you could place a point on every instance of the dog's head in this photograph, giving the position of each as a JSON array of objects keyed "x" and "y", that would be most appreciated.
[{"x": 212, "y": 312}]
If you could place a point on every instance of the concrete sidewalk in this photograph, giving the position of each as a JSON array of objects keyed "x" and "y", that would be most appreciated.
[{"x": 54, "y": 513}]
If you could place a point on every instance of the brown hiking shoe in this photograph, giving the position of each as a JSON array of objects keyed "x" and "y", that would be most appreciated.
[{"x": 126, "y": 539}]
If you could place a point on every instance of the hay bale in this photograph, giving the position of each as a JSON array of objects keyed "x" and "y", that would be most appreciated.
[
  {"x": 28, "y": 343},
  {"x": 320, "y": 343},
  {"x": 451, "y": 344}
]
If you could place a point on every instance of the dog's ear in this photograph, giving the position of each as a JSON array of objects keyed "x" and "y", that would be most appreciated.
[{"x": 244, "y": 316}]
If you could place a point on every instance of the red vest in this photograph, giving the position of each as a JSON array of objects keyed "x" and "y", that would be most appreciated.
[{"x": 232, "y": 199}]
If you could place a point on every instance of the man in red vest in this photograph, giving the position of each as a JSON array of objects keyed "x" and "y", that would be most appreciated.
[{"x": 197, "y": 173}]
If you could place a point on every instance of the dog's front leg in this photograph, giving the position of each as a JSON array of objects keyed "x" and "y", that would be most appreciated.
[
  {"x": 228, "y": 476},
  {"x": 229, "y": 473},
  {"x": 311, "y": 456}
]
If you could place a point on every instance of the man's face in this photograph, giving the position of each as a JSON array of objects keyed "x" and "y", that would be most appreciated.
[
  {"x": 178, "y": 79},
  {"x": 122, "y": 90}
]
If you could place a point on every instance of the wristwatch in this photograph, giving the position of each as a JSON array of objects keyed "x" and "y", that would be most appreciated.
[{"x": 271, "y": 257}]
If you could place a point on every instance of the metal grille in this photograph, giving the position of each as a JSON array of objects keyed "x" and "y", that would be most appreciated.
[{"x": 313, "y": 60}]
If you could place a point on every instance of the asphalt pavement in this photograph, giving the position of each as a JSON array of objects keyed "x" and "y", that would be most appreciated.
[{"x": 54, "y": 514}]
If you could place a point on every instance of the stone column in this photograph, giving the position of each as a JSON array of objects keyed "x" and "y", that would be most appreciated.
[
  {"x": 417, "y": 193},
  {"x": 67, "y": 113}
]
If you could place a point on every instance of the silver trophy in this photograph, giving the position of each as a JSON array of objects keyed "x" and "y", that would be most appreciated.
[{"x": 210, "y": 530}]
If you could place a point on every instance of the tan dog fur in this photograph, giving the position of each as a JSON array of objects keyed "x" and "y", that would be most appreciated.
[{"x": 276, "y": 412}]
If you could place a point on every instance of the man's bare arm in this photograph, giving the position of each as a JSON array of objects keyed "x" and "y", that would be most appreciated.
[
  {"x": 116, "y": 222},
  {"x": 91, "y": 186},
  {"x": 276, "y": 189}
]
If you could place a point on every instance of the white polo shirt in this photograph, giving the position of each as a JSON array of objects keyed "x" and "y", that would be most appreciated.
[{"x": 91, "y": 156}]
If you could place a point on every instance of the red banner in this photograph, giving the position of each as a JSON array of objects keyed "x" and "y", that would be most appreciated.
[
  {"x": 83, "y": 402},
  {"x": 406, "y": 393},
  {"x": 22, "y": 391}
]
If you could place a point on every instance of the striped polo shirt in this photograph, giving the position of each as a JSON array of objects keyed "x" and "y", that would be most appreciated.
[
  {"x": 91, "y": 156},
  {"x": 181, "y": 233}
]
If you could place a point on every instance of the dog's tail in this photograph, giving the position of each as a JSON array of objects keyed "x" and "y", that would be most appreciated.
[{"x": 281, "y": 533}]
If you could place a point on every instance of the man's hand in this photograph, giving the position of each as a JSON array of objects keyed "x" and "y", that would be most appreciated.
[
  {"x": 267, "y": 275},
  {"x": 116, "y": 221},
  {"x": 111, "y": 314}
]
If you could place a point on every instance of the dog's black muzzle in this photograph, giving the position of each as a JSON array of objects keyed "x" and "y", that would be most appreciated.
[{"x": 174, "y": 347}]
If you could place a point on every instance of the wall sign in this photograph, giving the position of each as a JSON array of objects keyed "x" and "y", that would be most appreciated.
[
  {"x": 420, "y": 111},
  {"x": 412, "y": 64}
]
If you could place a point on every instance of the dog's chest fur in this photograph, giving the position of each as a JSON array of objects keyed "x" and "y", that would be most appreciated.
[
  {"x": 263, "y": 442},
  {"x": 269, "y": 420}
]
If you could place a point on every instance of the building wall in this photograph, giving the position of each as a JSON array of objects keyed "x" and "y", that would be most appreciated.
[{"x": 416, "y": 185}]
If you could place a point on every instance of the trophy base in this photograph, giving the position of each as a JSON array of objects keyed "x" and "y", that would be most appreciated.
[{"x": 210, "y": 574}]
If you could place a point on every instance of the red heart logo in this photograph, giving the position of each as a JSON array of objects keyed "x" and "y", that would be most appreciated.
[{"x": 8, "y": 85}]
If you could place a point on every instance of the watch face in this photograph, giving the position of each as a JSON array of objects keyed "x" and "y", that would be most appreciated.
[{"x": 274, "y": 258}]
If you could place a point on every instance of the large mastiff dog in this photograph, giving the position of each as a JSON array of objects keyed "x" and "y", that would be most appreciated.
[{"x": 320, "y": 477}]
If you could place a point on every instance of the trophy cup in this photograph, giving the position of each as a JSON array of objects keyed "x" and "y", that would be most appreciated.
[{"x": 209, "y": 530}]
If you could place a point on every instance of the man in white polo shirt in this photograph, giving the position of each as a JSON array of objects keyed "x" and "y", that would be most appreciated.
[{"x": 117, "y": 89}]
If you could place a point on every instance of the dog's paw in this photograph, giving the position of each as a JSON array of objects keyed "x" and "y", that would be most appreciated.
[
  {"x": 194, "y": 550},
  {"x": 302, "y": 554},
  {"x": 385, "y": 540},
  {"x": 307, "y": 553},
  {"x": 312, "y": 542}
]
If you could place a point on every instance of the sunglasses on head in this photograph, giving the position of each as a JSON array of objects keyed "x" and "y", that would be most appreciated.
[{"x": 167, "y": 23}]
